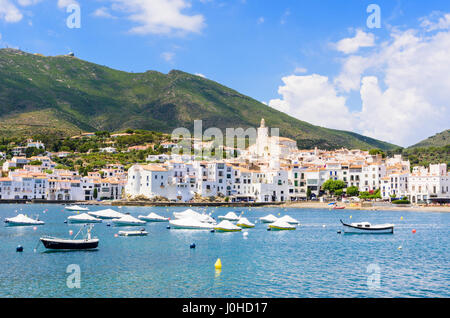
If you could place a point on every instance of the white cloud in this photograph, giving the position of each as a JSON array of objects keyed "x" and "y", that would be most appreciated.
[
  {"x": 352, "y": 45},
  {"x": 103, "y": 12},
  {"x": 261, "y": 20},
  {"x": 25, "y": 3},
  {"x": 65, "y": 3},
  {"x": 443, "y": 22},
  {"x": 168, "y": 56},
  {"x": 403, "y": 84},
  {"x": 9, "y": 12},
  {"x": 200, "y": 74},
  {"x": 313, "y": 98},
  {"x": 300, "y": 70},
  {"x": 160, "y": 16}
]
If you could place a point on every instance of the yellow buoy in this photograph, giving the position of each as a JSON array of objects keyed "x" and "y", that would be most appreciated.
[
  {"x": 401, "y": 218},
  {"x": 350, "y": 216},
  {"x": 218, "y": 264}
]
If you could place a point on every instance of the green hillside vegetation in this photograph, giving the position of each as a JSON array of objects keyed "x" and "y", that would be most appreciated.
[
  {"x": 64, "y": 96},
  {"x": 439, "y": 140},
  {"x": 425, "y": 156}
]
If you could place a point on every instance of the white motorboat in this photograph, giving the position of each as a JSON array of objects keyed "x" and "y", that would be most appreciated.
[
  {"x": 128, "y": 220},
  {"x": 76, "y": 208},
  {"x": 367, "y": 228},
  {"x": 153, "y": 217},
  {"x": 289, "y": 220},
  {"x": 280, "y": 225},
  {"x": 226, "y": 226},
  {"x": 83, "y": 218},
  {"x": 245, "y": 223},
  {"x": 107, "y": 214},
  {"x": 23, "y": 220},
  {"x": 190, "y": 224},
  {"x": 142, "y": 232},
  {"x": 230, "y": 216},
  {"x": 194, "y": 215},
  {"x": 268, "y": 218}
]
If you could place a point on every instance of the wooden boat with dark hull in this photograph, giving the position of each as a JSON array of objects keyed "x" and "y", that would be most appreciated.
[{"x": 87, "y": 243}]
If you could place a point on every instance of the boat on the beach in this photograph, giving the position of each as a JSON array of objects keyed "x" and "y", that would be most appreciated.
[
  {"x": 76, "y": 208},
  {"x": 190, "y": 224},
  {"x": 153, "y": 217},
  {"x": 280, "y": 225},
  {"x": 289, "y": 220},
  {"x": 194, "y": 215},
  {"x": 268, "y": 218},
  {"x": 245, "y": 223},
  {"x": 23, "y": 220},
  {"x": 230, "y": 216},
  {"x": 128, "y": 220},
  {"x": 85, "y": 243},
  {"x": 142, "y": 232},
  {"x": 107, "y": 214},
  {"x": 367, "y": 228},
  {"x": 83, "y": 218},
  {"x": 227, "y": 226}
]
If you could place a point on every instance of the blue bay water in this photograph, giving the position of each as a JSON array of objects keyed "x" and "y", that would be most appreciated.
[{"x": 312, "y": 261}]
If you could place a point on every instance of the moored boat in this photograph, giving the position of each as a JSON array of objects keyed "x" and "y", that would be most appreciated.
[
  {"x": 194, "y": 215},
  {"x": 245, "y": 223},
  {"x": 227, "y": 226},
  {"x": 83, "y": 218},
  {"x": 289, "y": 220},
  {"x": 367, "y": 228},
  {"x": 338, "y": 207},
  {"x": 86, "y": 243},
  {"x": 230, "y": 216},
  {"x": 128, "y": 220},
  {"x": 107, "y": 214},
  {"x": 23, "y": 220},
  {"x": 190, "y": 224},
  {"x": 142, "y": 232},
  {"x": 153, "y": 217},
  {"x": 280, "y": 225},
  {"x": 268, "y": 218},
  {"x": 76, "y": 208}
]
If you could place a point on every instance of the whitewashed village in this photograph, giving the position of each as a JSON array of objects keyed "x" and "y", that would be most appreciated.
[{"x": 271, "y": 170}]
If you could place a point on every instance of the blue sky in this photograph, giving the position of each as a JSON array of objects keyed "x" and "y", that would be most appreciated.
[{"x": 258, "y": 48}]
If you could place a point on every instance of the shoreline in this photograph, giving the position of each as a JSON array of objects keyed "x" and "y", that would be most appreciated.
[{"x": 367, "y": 206}]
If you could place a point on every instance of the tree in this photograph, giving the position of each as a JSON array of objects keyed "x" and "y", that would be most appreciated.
[
  {"x": 95, "y": 193},
  {"x": 333, "y": 185},
  {"x": 308, "y": 193},
  {"x": 352, "y": 191}
]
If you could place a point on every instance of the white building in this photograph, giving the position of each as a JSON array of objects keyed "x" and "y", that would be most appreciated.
[{"x": 429, "y": 184}]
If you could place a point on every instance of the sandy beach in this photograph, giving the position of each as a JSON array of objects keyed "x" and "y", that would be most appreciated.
[{"x": 324, "y": 205}]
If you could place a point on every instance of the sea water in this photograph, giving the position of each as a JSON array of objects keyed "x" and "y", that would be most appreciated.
[{"x": 312, "y": 261}]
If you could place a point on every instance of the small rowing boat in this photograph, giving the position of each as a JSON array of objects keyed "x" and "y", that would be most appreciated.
[{"x": 142, "y": 232}]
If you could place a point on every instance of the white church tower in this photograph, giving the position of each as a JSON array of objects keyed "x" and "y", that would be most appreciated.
[{"x": 262, "y": 140}]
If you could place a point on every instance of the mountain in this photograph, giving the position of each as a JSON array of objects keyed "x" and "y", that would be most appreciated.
[
  {"x": 66, "y": 95},
  {"x": 439, "y": 140}
]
